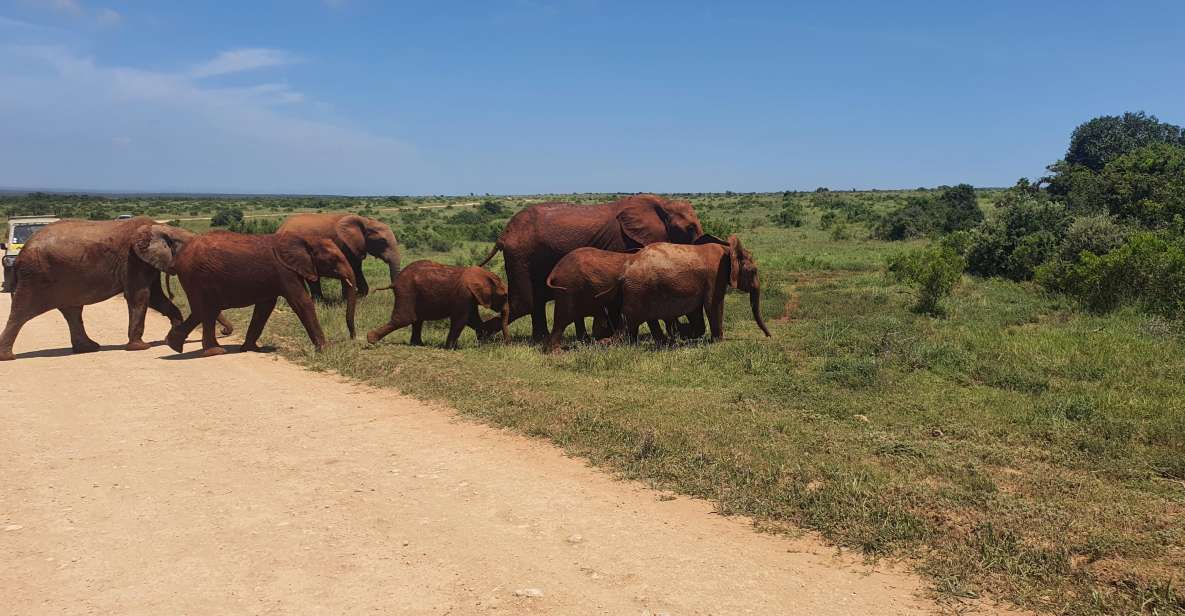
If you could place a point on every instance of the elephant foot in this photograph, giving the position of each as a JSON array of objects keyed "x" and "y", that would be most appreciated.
[
  {"x": 7, "y": 356},
  {"x": 138, "y": 345},
  {"x": 249, "y": 347},
  {"x": 213, "y": 351},
  {"x": 86, "y": 346},
  {"x": 227, "y": 330},
  {"x": 175, "y": 341}
]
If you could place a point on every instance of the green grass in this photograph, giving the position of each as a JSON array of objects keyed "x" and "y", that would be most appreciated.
[{"x": 1015, "y": 449}]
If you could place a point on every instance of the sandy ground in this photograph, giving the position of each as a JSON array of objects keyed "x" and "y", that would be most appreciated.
[{"x": 141, "y": 483}]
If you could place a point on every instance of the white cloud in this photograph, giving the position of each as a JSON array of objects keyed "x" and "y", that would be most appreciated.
[
  {"x": 238, "y": 60},
  {"x": 187, "y": 136},
  {"x": 108, "y": 18}
]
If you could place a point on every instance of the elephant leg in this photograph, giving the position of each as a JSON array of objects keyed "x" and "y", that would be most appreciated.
[
  {"x": 656, "y": 333},
  {"x": 79, "y": 341},
  {"x": 581, "y": 333},
  {"x": 456, "y": 325},
  {"x": 539, "y": 329},
  {"x": 137, "y": 299},
  {"x": 25, "y": 306},
  {"x": 695, "y": 326},
  {"x": 315, "y": 290},
  {"x": 259, "y": 317},
  {"x": 383, "y": 330},
  {"x": 359, "y": 280},
  {"x": 518, "y": 278},
  {"x": 302, "y": 305},
  {"x": 716, "y": 319},
  {"x": 475, "y": 323},
  {"x": 227, "y": 328},
  {"x": 158, "y": 301},
  {"x": 210, "y": 346},
  {"x": 417, "y": 330},
  {"x": 180, "y": 332},
  {"x": 563, "y": 317}
]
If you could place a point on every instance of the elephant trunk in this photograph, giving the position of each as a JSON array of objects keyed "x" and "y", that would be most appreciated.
[
  {"x": 391, "y": 258},
  {"x": 755, "y": 303},
  {"x": 351, "y": 306},
  {"x": 506, "y": 321}
]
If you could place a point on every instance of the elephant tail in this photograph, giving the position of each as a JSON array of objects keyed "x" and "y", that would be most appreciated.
[
  {"x": 552, "y": 285},
  {"x": 493, "y": 251}
]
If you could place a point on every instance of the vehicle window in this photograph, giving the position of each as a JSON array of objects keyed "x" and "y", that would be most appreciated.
[{"x": 22, "y": 233}]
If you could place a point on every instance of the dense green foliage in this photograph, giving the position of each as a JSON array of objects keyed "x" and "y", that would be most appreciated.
[
  {"x": 1147, "y": 185},
  {"x": 951, "y": 209},
  {"x": 1101, "y": 140},
  {"x": 934, "y": 271},
  {"x": 1024, "y": 234}
]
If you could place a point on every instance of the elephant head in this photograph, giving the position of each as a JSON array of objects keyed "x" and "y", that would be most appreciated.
[
  {"x": 316, "y": 258},
  {"x": 489, "y": 291},
  {"x": 159, "y": 245},
  {"x": 647, "y": 219},
  {"x": 367, "y": 236},
  {"x": 743, "y": 276}
]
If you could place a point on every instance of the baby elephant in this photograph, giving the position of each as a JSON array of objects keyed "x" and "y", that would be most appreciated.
[
  {"x": 585, "y": 284},
  {"x": 428, "y": 291}
]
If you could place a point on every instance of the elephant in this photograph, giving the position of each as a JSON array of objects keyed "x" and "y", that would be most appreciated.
[
  {"x": 72, "y": 263},
  {"x": 221, "y": 270},
  {"x": 536, "y": 238},
  {"x": 585, "y": 283},
  {"x": 427, "y": 291},
  {"x": 355, "y": 236},
  {"x": 665, "y": 281}
]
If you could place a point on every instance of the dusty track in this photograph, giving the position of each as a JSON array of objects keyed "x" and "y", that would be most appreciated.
[{"x": 139, "y": 483}]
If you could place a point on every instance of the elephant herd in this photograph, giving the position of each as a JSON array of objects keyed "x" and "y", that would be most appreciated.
[{"x": 641, "y": 259}]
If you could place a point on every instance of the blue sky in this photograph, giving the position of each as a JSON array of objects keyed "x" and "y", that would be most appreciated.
[{"x": 525, "y": 96}]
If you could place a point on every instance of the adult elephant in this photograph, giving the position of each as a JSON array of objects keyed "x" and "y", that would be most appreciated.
[
  {"x": 536, "y": 238},
  {"x": 72, "y": 263},
  {"x": 356, "y": 236}
]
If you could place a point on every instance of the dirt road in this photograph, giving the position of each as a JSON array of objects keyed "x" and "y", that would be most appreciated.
[{"x": 138, "y": 483}]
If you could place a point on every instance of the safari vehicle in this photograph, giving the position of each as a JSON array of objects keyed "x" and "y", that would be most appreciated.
[{"x": 20, "y": 229}]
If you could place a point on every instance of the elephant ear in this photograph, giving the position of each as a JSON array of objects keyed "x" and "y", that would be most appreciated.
[
  {"x": 158, "y": 245},
  {"x": 293, "y": 253},
  {"x": 480, "y": 287},
  {"x": 734, "y": 255},
  {"x": 644, "y": 223},
  {"x": 351, "y": 232}
]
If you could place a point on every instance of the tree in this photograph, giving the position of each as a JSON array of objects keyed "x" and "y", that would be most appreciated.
[
  {"x": 226, "y": 216},
  {"x": 1103, "y": 139},
  {"x": 961, "y": 209},
  {"x": 1147, "y": 185}
]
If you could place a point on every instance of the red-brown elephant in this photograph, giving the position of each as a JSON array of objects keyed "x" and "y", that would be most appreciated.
[
  {"x": 666, "y": 281},
  {"x": 221, "y": 270},
  {"x": 356, "y": 236},
  {"x": 536, "y": 238},
  {"x": 429, "y": 291},
  {"x": 72, "y": 263}
]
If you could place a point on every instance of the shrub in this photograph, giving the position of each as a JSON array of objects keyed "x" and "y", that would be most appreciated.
[
  {"x": 1147, "y": 185},
  {"x": 791, "y": 214},
  {"x": 1019, "y": 239},
  {"x": 827, "y": 220},
  {"x": 1097, "y": 234},
  {"x": 225, "y": 216},
  {"x": 491, "y": 208},
  {"x": 1097, "y": 142},
  {"x": 840, "y": 232},
  {"x": 935, "y": 271},
  {"x": 953, "y": 209},
  {"x": 1148, "y": 270},
  {"x": 255, "y": 226}
]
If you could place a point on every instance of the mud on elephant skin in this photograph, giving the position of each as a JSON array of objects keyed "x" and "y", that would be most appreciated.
[
  {"x": 429, "y": 291},
  {"x": 666, "y": 281},
  {"x": 536, "y": 238},
  {"x": 72, "y": 263},
  {"x": 222, "y": 270},
  {"x": 356, "y": 236}
]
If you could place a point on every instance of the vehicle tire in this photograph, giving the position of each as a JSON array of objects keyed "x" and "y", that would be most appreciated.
[{"x": 7, "y": 286}]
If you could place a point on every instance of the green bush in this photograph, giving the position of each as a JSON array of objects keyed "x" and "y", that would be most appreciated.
[
  {"x": 1148, "y": 270},
  {"x": 953, "y": 209},
  {"x": 1018, "y": 239},
  {"x": 1147, "y": 185},
  {"x": 827, "y": 219},
  {"x": 224, "y": 217},
  {"x": 791, "y": 214},
  {"x": 935, "y": 271},
  {"x": 1099, "y": 234},
  {"x": 255, "y": 226}
]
